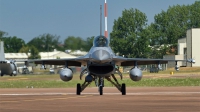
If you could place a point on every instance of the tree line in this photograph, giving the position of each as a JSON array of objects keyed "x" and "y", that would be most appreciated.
[
  {"x": 131, "y": 35},
  {"x": 44, "y": 43}
]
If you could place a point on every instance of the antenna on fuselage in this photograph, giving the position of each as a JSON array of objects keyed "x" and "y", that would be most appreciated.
[{"x": 100, "y": 20}]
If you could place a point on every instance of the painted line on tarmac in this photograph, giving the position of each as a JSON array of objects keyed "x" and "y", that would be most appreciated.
[
  {"x": 42, "y": 99},
  {"x": 145, "y": 93},
  {"x": 33, "y": 94},
  {"x": 18, "y": 79},
  {"x": 136, "y": 93}
]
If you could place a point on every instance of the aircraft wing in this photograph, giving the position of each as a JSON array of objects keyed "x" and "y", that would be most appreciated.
[
  {"x": 70, "y": 61},
  {"x": 140, "y": 61}
]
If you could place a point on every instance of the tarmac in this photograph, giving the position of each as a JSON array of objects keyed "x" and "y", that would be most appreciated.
[{"x": 138, "y": 99}]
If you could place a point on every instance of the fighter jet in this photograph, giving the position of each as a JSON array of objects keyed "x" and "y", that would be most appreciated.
[
  {"x": 100, "y": 64},
  {"x": 7, "y": 67}
]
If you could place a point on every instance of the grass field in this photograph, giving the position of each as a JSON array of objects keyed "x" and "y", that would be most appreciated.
[{"x": 184, "y": 77}]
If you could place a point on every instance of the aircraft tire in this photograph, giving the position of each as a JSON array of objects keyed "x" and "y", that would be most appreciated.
[
  {"x": 78, "y": 89},
  {"x": 1, "y": 74},
  {"x": 101, "y": 90},
  {"x": 123, "y": 89}
]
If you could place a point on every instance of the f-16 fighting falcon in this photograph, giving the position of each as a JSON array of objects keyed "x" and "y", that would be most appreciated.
[
  {"x": 7, "y": 67},
  {"x": 100, "y": 63}
]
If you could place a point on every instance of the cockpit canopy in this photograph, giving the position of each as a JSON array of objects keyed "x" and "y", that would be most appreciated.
[{"x": 100, "y": 41}]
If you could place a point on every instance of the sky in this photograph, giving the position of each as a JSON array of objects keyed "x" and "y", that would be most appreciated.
[{"x": 27, "y": 19}]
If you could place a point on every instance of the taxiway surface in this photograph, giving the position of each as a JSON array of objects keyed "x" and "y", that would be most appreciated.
[{"x": 138, "y": 99}]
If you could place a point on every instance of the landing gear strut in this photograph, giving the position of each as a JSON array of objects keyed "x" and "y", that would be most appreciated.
[
  {"x": 121, "y": 88},
  {"x": 101, "y": 85},
  {"x": 99, "y": 82},
  {"x": 80, "y": 88}
]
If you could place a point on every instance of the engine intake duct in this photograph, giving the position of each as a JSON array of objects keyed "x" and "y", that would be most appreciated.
[{"x": 101, "y": 69}]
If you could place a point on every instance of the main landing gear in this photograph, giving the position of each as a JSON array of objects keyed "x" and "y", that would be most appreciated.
[
  {"x": 99, "y": 82},
  {"x": 121, "y": 88}
]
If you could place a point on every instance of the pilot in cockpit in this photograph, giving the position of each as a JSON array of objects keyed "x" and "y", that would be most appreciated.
[{"x": 101, "y": 41}]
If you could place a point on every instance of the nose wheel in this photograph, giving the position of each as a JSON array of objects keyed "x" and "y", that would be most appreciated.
[
  {"x": 78, "y": 89},
  {"x": 100, "y": 83},
  {"x": 123, "y": 89},
  {"x": 101, "y": 90}
]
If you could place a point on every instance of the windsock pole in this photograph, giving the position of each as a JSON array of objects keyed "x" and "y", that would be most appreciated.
[{"x": 105, "y": 14}]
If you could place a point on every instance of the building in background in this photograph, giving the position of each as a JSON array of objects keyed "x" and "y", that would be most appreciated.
[
  {"x": 44, "y": 55},
  {"x": 21, "y": 57},
  {"x": 188, "y": 48},
  {"x": 193, "y": 46},
  {"x": 55, "y": 55}
]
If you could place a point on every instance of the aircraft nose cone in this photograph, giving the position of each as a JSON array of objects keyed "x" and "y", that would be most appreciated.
[{"x": 101, "y": 56}]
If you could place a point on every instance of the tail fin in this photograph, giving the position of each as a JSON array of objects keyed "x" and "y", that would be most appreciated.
[{"x": 2, "y": 55}]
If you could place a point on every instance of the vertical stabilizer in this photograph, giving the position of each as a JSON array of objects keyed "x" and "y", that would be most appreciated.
[{"x": 2, "y": 55}]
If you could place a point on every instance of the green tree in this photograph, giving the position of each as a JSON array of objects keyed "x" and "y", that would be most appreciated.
[
  {"x": 171, "y": 25},
  {"x": 157, "y": 45},
  {"x": 74, "y": 43},
  {"x": 2, "y": 34},
  {"x": 31, "y": 51},
  {"x": 46, "y": 42},
  {"x": 88, "y": 43},
  {"x": 25, "y": 49},
  {"x": 129, "y": 35},
  {"x": 12, "y": 44},
  {"x": 34, "y": 53},
  {"x": 194, "y": 15}
]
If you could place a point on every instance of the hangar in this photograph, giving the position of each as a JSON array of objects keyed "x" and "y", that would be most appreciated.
[{"x": 44, "y": 55}]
